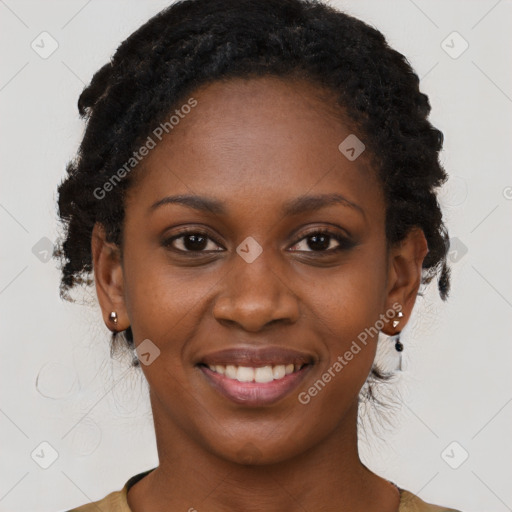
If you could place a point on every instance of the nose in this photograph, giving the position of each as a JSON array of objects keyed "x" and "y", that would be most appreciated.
[{"x": 255, "y": 295}]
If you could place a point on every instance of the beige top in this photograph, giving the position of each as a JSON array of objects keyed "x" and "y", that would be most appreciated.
[{"x": 117, "y": 502}]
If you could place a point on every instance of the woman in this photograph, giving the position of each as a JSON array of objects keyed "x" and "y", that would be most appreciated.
[{"x": 255, "y": 194}]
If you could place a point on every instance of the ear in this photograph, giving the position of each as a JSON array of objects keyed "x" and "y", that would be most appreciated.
[
  {"x": 404, "y": 276},
  {"x": 108, "y": 278}
]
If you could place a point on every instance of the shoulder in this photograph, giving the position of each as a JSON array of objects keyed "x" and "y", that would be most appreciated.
[
  {"x": 116, "y": 501},
  {"x": 409, "y": 502},
  {"x": 113, "y": 502}
]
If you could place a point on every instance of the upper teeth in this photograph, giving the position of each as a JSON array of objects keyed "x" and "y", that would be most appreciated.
[{"x": 249, "y": 374}]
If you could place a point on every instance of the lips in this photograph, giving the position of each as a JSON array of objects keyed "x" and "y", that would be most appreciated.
[{"x": 255, "y": 377}]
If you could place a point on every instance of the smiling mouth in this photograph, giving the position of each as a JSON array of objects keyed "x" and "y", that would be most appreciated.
[
  {"x": 255, "y": 377},
  {"x": 255, "y": 386},
  {"x": 261, "y": 375}
]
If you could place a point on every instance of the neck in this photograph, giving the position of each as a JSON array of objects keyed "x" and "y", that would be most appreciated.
[{"x": 329, "y": 476}]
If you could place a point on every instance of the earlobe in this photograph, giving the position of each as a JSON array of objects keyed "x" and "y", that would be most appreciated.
[
  {"x": 405, "y": 272},
  {"x": 108, "y": 278}
]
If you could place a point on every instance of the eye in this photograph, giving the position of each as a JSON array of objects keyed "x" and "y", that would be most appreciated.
[
  {"x": 189, "y": 240},
  {"x": 197, "y": 241},
  {"x": 323, "y": 241}
]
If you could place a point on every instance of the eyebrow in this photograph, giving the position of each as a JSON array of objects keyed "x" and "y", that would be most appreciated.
[{"x": 295, "y": 206}]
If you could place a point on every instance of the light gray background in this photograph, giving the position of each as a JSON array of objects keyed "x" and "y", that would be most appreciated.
[{"x": 58, "y": 382}]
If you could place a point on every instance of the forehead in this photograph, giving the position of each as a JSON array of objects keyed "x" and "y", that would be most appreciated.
[{"x": 249, "y": 139}]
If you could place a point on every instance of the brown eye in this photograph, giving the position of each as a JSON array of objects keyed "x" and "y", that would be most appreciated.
[
  {"x": 191, "y": 241},
  {"x": 322, "y": 241}
]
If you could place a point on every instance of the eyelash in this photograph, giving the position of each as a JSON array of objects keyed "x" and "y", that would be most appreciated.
[{"x": 344, "y": 242}]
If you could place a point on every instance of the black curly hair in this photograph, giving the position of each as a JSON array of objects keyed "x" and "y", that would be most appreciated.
[{"x": 196, "y": 42}]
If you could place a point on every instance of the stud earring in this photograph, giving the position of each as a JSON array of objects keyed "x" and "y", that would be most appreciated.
[
  {"x": 113, "y": 317},
  {"x": 396, "y": 322}
]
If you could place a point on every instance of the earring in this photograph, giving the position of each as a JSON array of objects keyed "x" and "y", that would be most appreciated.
[
  {"x": 396, "y": 322},
  {"x": 398, "y": 344},
  {"x": 113, "y": 317}
]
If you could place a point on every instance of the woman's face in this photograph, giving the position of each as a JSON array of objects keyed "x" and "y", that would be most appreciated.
[{"x": 254, "y": 286}]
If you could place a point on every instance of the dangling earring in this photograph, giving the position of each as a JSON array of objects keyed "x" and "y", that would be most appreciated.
[
  {"x": 113, "y": 317},
  {"x": 398, "y": 344}
]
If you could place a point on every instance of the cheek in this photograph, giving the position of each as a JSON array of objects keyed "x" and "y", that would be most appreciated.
[
  {"x": 167, "y": 304},
  {"x": 350, "y": 346},
  {"x": 349, "y": 298},
  {"x": 345, "y": 307},
  {"x": 160, "y": 299}
]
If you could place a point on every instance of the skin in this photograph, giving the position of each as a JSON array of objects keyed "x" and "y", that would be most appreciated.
[{"x": 254, "y": 145}]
